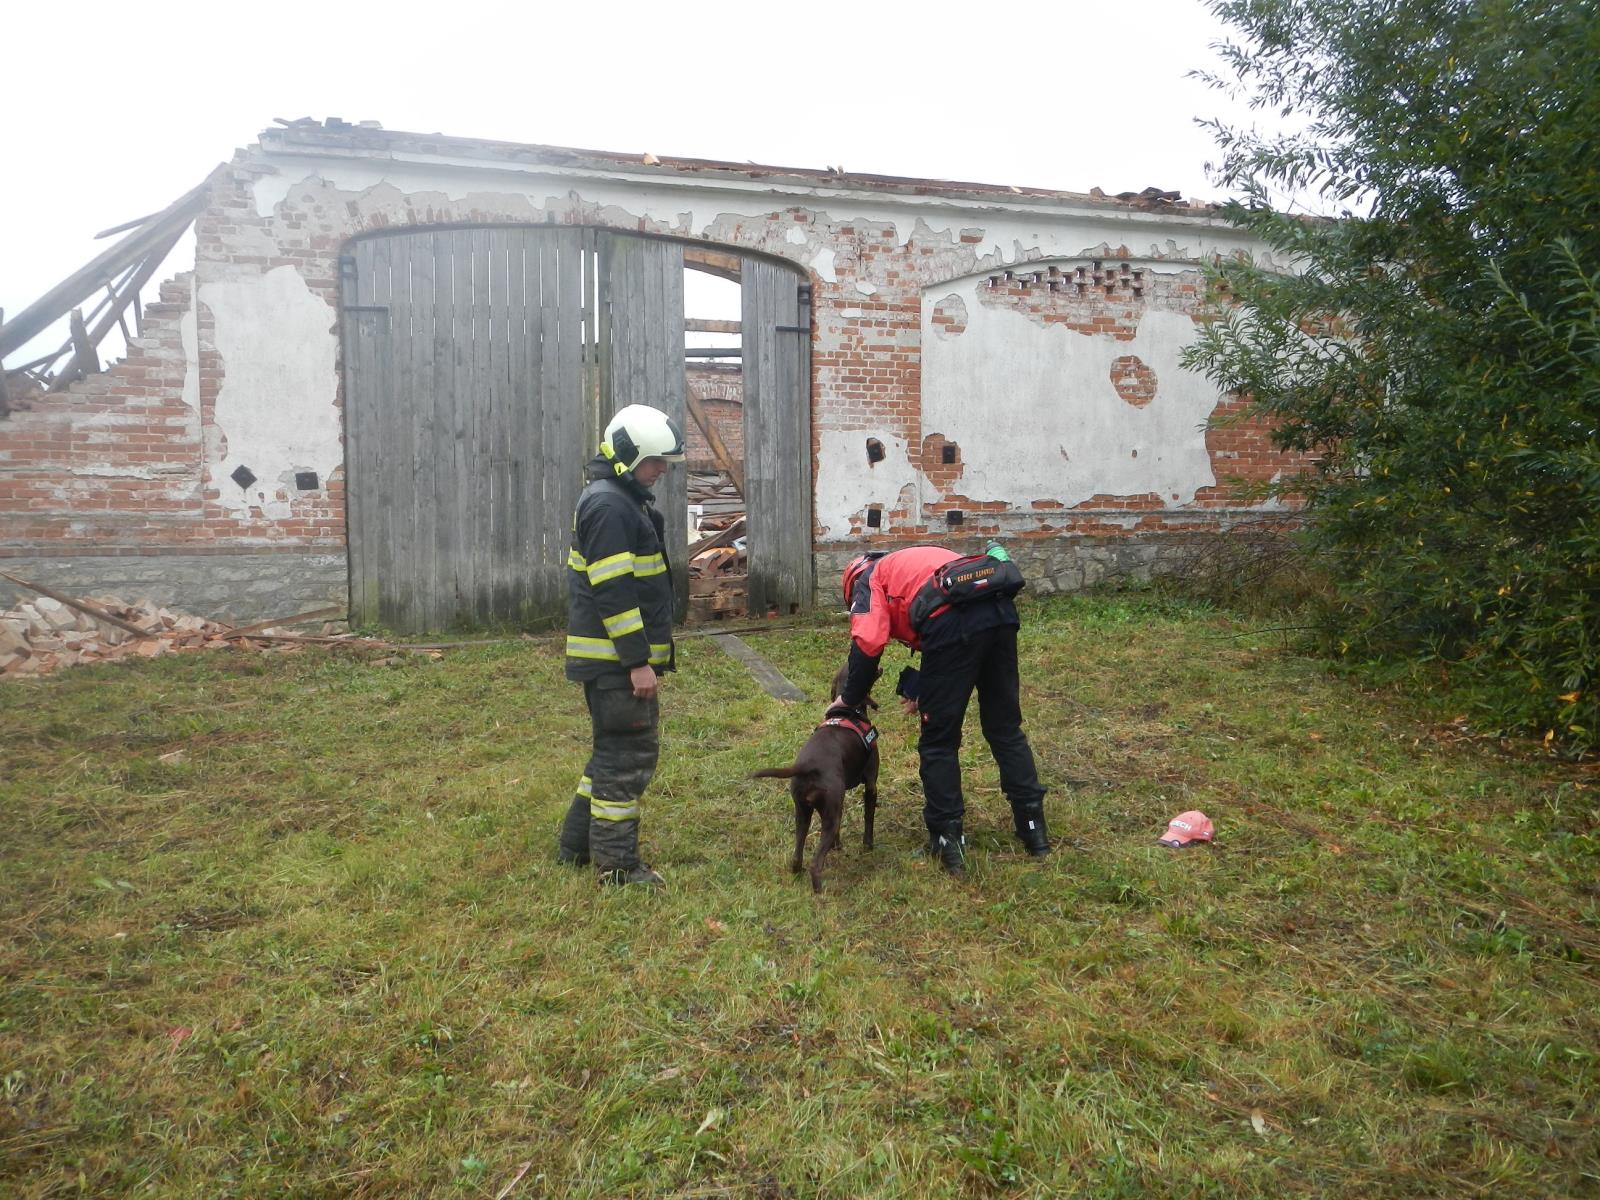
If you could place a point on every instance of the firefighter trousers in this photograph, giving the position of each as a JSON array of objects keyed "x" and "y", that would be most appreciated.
[{"x": 602, "y": 822}]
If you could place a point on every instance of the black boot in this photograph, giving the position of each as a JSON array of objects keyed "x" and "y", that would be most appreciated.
[
  {"x": 949, "y": 847},
  {"x": 1029, "y": 821},
  {"x": 615, "y": 846},
  {"x": 573, "y": 847}
]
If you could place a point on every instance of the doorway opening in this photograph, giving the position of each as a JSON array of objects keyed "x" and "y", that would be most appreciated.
[{"x": 719, "y": 542}]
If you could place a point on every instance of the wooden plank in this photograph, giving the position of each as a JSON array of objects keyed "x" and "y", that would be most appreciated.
[
  {"x": 722, "y": 538},
  {"x": 480, "y": 407},
  {"x": 356, "y": 359},
  {"x": 771, "y": 679},
  {"x": 239, "y": 631},
  {"x": 497, "y": 552},
  {"x": 84, "y": 360},
  {"x": 527, "y": 430},
  {"x": 706, "y": 325},
  {"x": 384, "y": 521},
  {"x": 566, "y": 405},
  {"x": 543, "y": 470},
  {"x": 83, "y": 606},
  {"x": 400, "y": 582},
  {"x": 731, "y": 466},
  {"x": 424, "y": 504},
  {"x": 455, "y": 534},
  {"x": 758, "y": 320}
]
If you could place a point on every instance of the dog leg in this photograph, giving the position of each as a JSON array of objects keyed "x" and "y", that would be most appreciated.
[
  {"x": 829, "y": 837},
  {"x": 869, "y": 800},
  {"x": 802, "y": 826}
]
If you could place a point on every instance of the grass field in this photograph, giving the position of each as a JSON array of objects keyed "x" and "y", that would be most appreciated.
[{"x": 290, "y": 925}]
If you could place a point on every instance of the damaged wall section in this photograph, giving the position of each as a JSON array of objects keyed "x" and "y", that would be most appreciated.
[{"x": 949, "y": 327}]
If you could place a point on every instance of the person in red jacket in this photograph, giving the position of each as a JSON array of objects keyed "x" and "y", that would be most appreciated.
[{"x": 965, "y": 648}]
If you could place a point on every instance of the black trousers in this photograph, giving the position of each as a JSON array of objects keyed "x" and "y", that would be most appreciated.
[{"x": 985, "y": 662}]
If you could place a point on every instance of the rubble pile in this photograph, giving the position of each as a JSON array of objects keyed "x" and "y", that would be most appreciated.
[
  {"x": 718, "y": 567},
  {"x": 44, "y": 634}
]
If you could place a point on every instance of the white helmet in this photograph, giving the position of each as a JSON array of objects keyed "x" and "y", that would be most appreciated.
[{"x": 639, "y": 432}]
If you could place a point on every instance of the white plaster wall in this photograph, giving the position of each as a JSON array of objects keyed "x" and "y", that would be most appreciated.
[
  {"x": 1037, "y": 417},
  {"x": 275, "y": 412},
  {"x": 847, "y": 482}
]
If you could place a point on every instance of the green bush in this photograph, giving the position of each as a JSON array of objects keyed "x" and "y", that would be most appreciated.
[{"x": 1435, "y": 347}]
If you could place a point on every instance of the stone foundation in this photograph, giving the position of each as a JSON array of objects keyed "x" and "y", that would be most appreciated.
[{"x": 231, "y": 587}]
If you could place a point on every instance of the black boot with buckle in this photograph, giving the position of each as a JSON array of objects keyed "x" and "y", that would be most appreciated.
[
  {"x": 1029, "y": 821},
  {"x": 949, "y": 847}
]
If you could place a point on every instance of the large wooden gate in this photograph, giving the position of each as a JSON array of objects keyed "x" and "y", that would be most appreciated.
[
  {"x": 775, "y": 339},
  {"x": 480, "y": 367}
]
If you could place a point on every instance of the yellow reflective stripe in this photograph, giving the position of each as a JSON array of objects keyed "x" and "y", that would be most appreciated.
[
  {"x": 586, "y": 786},
  {"x": 607, "y": 810},
  {"x": 624, "y": 622},
  {"x": 650, "y": 564},
  {"x": 660, "y": 654},
  {"x": 610, "y": 567},
  {"x": 576, "y": 561},
  {"x": 586, "y": 647}
]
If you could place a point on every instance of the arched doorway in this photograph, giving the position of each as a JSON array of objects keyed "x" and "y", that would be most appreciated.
[{"x": 480, "y": 365}]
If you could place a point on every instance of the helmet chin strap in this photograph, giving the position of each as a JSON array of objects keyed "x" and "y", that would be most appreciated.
[{"x": 617, "y": 466}]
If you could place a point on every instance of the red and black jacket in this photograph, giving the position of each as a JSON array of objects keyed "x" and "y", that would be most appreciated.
[{"x": 880, "y": 612}]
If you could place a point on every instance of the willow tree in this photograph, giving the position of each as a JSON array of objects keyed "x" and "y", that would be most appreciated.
[{"x": 1435, "y": 347}]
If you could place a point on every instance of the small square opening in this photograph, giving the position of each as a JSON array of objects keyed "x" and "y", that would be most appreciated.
[
  {"x": 954, "y": 517},
  {"x": 947, "y": 454},
  {"x": 874, "y": 518},
  {"x": 306, "y": 481}
]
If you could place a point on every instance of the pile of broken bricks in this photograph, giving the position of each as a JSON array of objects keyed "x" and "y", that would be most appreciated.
[{"x": 54, "y": 631}]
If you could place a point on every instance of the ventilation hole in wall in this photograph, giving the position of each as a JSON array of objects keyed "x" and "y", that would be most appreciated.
[
  {"x": 875, "y": 451},
  {"x": 243, "y": 476},
  {"x": 874, "y": 518},
  {"x": 954, "y": 517},
  {"x": 947, "y": 454},
  {"x": 306, "y": 481}
]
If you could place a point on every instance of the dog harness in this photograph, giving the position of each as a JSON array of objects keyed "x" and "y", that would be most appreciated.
[{"x": 857, "y": 725}]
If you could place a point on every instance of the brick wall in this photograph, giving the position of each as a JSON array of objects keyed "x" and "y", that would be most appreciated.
[
  {"x": 720, "y": 391},
  {"x": 131, "y": 463}
]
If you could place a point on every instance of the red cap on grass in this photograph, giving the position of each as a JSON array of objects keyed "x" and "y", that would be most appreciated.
[{"x": 1186, "y": 829}]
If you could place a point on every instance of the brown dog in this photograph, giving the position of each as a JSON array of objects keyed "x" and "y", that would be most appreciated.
[{"x": 842, "y": 753}]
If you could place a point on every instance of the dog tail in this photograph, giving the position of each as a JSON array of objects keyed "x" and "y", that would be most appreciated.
[{"x": 780, "y": 773}]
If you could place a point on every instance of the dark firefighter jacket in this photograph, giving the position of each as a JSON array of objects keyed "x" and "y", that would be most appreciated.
[{"x": 619, "y": 588}]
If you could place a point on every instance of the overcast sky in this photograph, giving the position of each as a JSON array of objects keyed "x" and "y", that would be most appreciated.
[{"x": 113, "y": 112}]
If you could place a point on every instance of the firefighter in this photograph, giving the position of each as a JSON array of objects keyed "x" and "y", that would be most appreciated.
[
  {"x": 965, "y": 647},
  {"x": 619, "y": 638}
]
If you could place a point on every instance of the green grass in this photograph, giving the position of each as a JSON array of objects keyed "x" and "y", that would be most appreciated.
[{"x": 291, "y": 925}]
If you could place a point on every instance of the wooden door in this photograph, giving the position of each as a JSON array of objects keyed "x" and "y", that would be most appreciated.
[
  {"x": 776, "y": 342},
  {"x": 472, "y": 368}
]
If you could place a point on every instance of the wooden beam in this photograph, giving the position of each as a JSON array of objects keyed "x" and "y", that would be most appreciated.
[
  {"x": 249, "y": 630},
  {"x": 104, "y": 267},
  {"x": 128, "y": 291},
  {"x": 83, "y": 606},
  {"x": 713, "y": 262},
  {"x": 84, "y": 360},
  {"x": 711, "y": 542},
  {"x": 719, "y": 450},
  {"x": 706, "y": 325}
]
